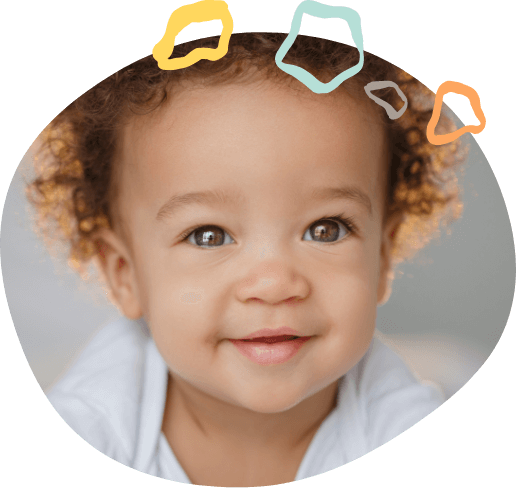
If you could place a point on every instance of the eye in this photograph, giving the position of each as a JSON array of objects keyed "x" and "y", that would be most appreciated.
[{"x": 327, "y": 229}]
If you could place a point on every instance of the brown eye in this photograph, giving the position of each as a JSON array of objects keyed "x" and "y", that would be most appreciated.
[
  {"x": 209, "y": 235},
  {"x": 326, "y": 230}
]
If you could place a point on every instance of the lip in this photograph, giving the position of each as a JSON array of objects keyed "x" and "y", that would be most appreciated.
[
  {"x": 272, "y": 333},
  {"x": 264, "y": 353}
]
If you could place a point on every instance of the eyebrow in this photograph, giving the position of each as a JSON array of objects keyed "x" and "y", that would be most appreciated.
[{"x": 221, "y": 198}]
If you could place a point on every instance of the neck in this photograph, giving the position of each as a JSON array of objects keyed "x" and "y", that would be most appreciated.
[{"x": 214, "y": 419}]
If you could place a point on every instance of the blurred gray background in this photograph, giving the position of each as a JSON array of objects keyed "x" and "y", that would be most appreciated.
[{"x": 446, "y": 314}]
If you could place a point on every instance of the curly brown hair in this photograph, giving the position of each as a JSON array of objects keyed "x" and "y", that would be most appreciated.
[{"x": 74, "y": 186}]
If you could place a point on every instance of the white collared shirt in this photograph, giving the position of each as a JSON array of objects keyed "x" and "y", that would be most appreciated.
[{"x": 114, "y": 398}]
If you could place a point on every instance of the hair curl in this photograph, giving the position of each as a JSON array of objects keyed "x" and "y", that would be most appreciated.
[{"x": 74, "y": 185}]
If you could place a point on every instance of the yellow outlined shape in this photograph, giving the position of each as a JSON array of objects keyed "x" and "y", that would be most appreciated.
[
  {"x": 475, "y": 103},
  {"x": 202, "y": 11}
]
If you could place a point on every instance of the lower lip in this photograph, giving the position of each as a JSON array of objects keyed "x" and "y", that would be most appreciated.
[{"x": 272, "y": 353}]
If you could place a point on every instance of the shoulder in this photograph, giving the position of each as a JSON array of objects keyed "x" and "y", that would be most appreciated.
[
  {"x": 392, "y": 397},
  {"x": 88, "y": 421},
  {"x": 98, "y": 396},
  {"x": 383, "y": 372}
]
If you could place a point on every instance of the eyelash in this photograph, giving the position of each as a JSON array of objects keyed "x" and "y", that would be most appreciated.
[{"x": 347, "y": 222}]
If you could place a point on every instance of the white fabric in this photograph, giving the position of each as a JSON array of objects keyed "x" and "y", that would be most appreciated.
[{"x": 114, "y": 398}]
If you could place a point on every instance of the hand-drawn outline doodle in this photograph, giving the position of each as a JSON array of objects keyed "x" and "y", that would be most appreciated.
[
  {"x": 377, "y": 85},
  {"x": 322, "y": 11},
  {"x": 202, "y": 11},
  {"x": 475, "y": 103}
]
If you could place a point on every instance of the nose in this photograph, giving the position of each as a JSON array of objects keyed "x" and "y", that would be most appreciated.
[{"x": 273, "y": 283}]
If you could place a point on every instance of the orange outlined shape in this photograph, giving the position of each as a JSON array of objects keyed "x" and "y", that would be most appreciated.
[
  {"x": 202, "y": 11},
  {"x": 475, "y": 103}
]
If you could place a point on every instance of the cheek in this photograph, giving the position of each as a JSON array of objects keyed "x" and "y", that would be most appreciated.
[
  {"x": 356, "y": 273},
  {"x": 173, "y": 302},
  {"x": 348, "y": 292},
  {"x": 351, "y": 300},
  {"x": 351, "y": 314},
  {"x": 192, "y": 296}
]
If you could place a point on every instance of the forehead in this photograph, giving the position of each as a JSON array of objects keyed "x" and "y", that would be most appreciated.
[
  {"x": 256, "y": 110},
  {"x": 254, "y": 135}
]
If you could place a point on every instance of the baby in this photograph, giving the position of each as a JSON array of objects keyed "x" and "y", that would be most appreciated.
[{"x": 247, "y": 229}]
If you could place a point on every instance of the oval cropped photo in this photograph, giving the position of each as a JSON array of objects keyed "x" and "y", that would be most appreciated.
[{"x": 284, "y": 257}]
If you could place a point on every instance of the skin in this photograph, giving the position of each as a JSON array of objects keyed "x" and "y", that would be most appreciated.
[{"x": 273, "y": 145}]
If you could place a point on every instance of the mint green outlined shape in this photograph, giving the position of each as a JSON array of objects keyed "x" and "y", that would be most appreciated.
[
  {"x": 378, "y": 85},
  {"x": 321, "y": 11}
]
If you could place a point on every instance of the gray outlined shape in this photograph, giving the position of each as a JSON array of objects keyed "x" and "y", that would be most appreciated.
[{"x": 377, "y": 85}]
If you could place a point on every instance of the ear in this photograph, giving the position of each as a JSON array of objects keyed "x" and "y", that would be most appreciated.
[
  {"x": 386, "y": 272},
  {"x": 116, "y": 265}
]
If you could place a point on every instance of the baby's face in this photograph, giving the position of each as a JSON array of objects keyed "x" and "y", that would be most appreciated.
[{"x": 254, "y": 210}]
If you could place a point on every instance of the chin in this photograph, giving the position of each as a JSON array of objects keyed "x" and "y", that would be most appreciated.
[{"x": 269, "y": 402}]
